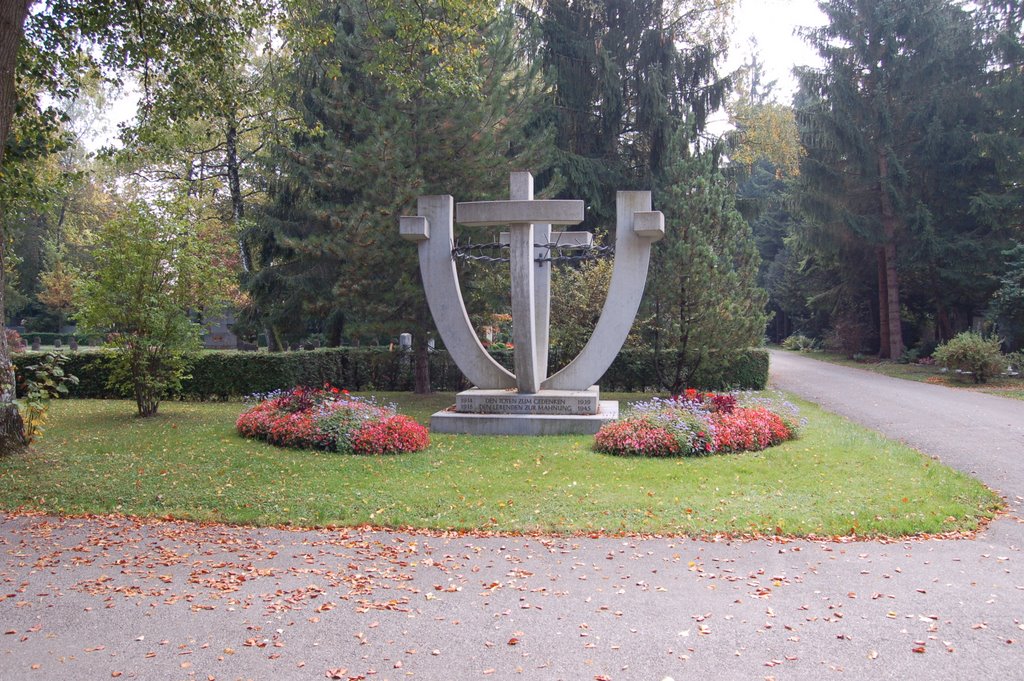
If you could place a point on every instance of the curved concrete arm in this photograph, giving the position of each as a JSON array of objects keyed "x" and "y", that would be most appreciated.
[
  {"x": 636, "y": 227},
  {"x": 441, "y": 284}
]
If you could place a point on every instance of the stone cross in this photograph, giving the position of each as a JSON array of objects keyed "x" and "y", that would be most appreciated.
[{"x": 529, "y": 223}]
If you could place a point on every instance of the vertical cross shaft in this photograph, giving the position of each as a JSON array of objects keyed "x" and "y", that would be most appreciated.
[{"x": 524, "y": 305}]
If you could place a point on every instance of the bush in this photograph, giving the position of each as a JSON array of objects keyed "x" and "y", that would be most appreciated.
[
  {"x": 1015, "y": 362},
  {"x": 800, "y": 343},
  {"x": 971, "y": 353},
  {"x": 229, "y": 374},
  {"x": 15, "y": 343},
  {"x": 330, "y": 419},
  {"x": 698, "y": 424},
  {"x": 37, "y": 384}
]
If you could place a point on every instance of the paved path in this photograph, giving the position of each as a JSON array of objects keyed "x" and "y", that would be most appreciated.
[
  {"x": 980, "y": 434},
  {"x": 112, "y": 598}
]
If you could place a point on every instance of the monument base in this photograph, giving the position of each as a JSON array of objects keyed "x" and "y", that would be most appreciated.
[
  {"x": 545, "y": 402},
  {"x": 525, "y": 424}
]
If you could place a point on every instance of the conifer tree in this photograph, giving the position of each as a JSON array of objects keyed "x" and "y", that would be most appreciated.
[
  {"x": 331, "y": 248},
  {"x": 624, "y": 75},
  {"x": 891, "y": 166},
  {"x": 702, "y": 300}
]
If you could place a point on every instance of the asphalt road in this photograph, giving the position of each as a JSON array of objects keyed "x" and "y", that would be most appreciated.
[
  {"x": 118, "y": 598},
  {"x": 977, "y": 433}
]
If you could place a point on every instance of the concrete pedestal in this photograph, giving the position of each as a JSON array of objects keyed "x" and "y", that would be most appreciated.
[
  {"x": 525, "y": 424},
  {"x": 545, "y": 402}
]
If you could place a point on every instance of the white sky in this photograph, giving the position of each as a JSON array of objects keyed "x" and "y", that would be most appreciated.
[{"x": 773, "y": 23}]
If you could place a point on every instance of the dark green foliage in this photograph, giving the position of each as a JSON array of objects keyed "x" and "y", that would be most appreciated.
[
  {"x": 217, "y": 375},
  {"x": 625, "y": 74},
  {"x": 891, "y": 125},
  {"x": 972, "y": 354},
  {"x": 702, "y": 305},
  {"x": 1007, "y": 308},
  {"x": 329, "y": 235}
]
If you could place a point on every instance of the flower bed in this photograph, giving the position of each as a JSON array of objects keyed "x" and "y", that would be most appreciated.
[
  {"x": 330, "y": 419},
  {"x": 700, "y": 424}
]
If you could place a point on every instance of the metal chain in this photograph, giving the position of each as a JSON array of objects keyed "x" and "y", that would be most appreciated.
[{"x": 556, "y": 253}]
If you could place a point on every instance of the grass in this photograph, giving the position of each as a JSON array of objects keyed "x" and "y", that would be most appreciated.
[
  {"x": 1005, "y": 386},
  {"x": 837, "y": 479}
]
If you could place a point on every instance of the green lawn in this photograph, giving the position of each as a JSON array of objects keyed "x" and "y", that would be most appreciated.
[
  {"x": 1006, "y": 386},
  {"x": 97, "y": 457}
]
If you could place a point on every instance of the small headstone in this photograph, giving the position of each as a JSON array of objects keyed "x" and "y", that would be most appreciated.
[
  {"x": 308, "y": 346},
  {"x": 73, "y": 344},
  {"x": 430, "y": 344},
  {"x": 35, "y": 343},
  {"x": 57, "y": 343}
]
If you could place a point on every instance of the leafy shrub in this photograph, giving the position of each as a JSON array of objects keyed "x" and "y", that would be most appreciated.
[
  {"x": 971, "y": 353},
  {"x": 330, "y": 419},
  {"x": 800, "y": 343},
  {"x": 909, "y": 357},
  {"x": 15, "y": 343},
  {"x": 699, "y": 424},
  {"x": 848, "y": 335},
  {"x": 1015, "y": 361},
  {"x": 38, "y": 384}
]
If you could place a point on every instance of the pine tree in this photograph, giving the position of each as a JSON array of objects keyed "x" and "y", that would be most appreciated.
[
  {"x": 702, "y": 302},
  {"x": 331, "y": 248},
  {"x": 625, "y": 74},
  {"x": 890, "y": 170}
]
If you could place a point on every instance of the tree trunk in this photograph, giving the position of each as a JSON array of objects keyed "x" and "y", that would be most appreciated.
[
  {"x": 12, "y": 19},
  {"x": 890, "y": 223},
  {"x": 421, "y": 375},
  {"x": 883, "y": 308},
  {"x": 238, "y": 208}
]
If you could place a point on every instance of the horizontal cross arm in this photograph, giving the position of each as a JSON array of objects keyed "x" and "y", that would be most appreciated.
[{"x": 486, "y": 213}]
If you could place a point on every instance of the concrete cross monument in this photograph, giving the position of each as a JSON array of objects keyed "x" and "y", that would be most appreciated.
[{"x": 529, "y": 402}]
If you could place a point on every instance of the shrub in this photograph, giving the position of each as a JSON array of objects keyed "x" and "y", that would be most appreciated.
[
  {"x": 330, "y": 419},
  {"x": 37, "y": 384},
  {"x": 15, "y": 343},
  {"x": 699, "y": 424},
  {"x": 800, "y": 343},
  {"x": 971, "y": 353}
]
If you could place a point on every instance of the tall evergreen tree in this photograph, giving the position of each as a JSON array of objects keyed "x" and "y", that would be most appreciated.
[
  {"x": 887, "y": 124},
  {"x": 703, "y": 302},
  {"x": 331, "y": 245},
  {"x": 625, "y": 74}
]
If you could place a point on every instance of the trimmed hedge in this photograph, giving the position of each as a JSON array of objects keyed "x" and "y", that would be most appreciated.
[
  {"x": 47, "y": 338},
  {"x": 226, "y": 374}
]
